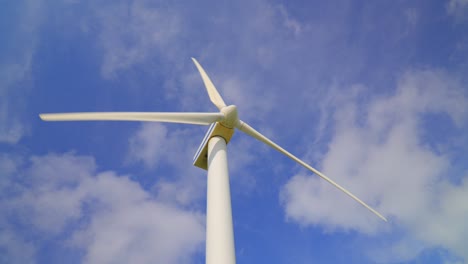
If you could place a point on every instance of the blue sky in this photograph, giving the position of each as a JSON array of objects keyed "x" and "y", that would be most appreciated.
[{"x": 373, "y": 93}]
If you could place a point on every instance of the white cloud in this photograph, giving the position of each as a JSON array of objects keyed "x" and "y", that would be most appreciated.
[
  {"x": 133, "y": 33},
  {"x": 289, "y": 22},
  {"x": 132, "y": 228},
  {"x": 14, "y": 249},
  {"x": 111, "y": 218},
  {"x": 15, "y": 69},
  {"x": 458, "y": 8},
  {"x": 154, "y": 145},
  {"x": 148, "y": 144},
  {"x": 380, "y": 153}
]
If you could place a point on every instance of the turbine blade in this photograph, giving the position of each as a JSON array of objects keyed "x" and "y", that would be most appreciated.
[
  {"x": 215, "y": 98},
  {"x": 184, "y": 118},
  {"x": 244, "y": 127}
]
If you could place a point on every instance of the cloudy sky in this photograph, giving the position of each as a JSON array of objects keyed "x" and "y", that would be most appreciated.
[{"x": 373, "y": 93}]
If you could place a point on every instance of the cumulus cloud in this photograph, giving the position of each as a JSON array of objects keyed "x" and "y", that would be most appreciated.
[
  {"x": 108, "y": 217},
  {"x": 14, "y": 249},
  {"x": 289, "y": 22},
  {"x": 155, "y": 146},
  {"x": 15, "y": 68},
  {"x": 379, "y": 151},
  {"x": 133, "y": 33},
  {"x": 148, "y": 233},
  {"x": 457, "y": 8},
  {"x": 147, "y": 145}
]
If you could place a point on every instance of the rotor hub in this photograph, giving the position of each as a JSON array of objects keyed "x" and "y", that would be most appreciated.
[{"x": 231, "y": 117}]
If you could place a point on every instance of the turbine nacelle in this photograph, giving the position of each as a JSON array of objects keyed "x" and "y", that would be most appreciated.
[{"x": 224, "y": 128}]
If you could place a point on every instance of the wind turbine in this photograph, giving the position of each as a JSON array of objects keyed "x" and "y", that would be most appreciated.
[{"x": 211, "y": 155}]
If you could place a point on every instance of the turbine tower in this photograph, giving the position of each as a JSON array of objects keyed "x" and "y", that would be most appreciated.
[{"x": 211, "y": 156}]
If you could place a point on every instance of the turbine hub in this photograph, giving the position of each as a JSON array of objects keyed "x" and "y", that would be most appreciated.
[{"x": 230, "y": 116}]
